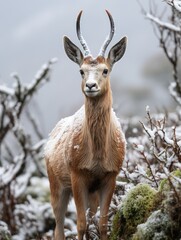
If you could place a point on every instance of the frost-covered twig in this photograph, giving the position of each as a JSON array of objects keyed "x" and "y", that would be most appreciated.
[
  {"x": 144, "y": 157},
  {"x": 175, "y": 3},
  {"x": 169, "y": 35},
  {"x": 9, "y": 174},
  {"x": 21, "y": 158},
  {"x": 6, "y": 90},
  {"x": 163, "y": 24},
  {"x": 16, "y": 99},
  {"x": 161, "y": 149}
]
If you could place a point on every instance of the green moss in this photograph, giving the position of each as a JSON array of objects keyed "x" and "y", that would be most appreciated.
[
  {"x": 138, "y": 204},
  {"x": 150, "y": 215},
  {"x": 116, "y": 226},
  {"x": 119, "y": 227},
  {"x": 165, "y": 184},
  {"x": 177, "y": 173}
]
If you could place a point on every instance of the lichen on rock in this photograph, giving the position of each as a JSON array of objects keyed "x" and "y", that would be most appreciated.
[
  {"x": 155, "y": 228},
  {"x": 164, "y": 224}
]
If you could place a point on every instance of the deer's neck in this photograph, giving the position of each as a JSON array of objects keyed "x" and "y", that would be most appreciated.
[{"x": 97, "y": 123}]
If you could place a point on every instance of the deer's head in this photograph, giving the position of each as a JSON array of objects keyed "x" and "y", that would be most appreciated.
[{"x": 95, "y": 71}]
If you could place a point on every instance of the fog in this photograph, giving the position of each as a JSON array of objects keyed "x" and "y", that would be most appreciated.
[{"x": 31, "y": 33}]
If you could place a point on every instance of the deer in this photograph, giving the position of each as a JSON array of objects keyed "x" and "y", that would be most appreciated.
[{"x": 85, "y": 151}]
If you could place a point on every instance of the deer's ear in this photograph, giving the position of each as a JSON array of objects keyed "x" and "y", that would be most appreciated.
[
  {"x": 117, "y": 51},
  {"x": 72, "y": 51}
]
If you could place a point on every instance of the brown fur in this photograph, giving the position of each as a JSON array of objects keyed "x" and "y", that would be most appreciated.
[
  {"x": 86, "y": 159},
  {"x": 94, "y": 61}
]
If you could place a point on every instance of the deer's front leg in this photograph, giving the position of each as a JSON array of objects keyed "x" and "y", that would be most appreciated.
[
  {"x": 106, "y": 193},
  {"x": 80, "y": 194}
]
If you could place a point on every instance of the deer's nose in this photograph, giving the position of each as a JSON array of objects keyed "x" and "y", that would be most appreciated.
[{"x": 90, "y": 85}]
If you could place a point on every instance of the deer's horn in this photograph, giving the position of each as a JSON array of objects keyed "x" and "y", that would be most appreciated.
[
  {"x": 109, "y": 37},
  {"x": 80, "y": 37}
]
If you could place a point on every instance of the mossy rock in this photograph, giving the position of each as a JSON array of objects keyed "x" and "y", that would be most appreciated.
[
  {"x": 136, "y": 208},
  {"x": 164, "y": 224},
  {"x": 139, "y": 202}
]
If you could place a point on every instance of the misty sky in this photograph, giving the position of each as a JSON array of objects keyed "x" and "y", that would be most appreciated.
[{"x": 31, "y": 33}]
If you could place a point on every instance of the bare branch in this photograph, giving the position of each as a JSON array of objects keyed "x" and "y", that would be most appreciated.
[
  {"x": 174, "y": 3},
  {"x": 162, "y": 24},
  {"x": 21, "y": 96}
]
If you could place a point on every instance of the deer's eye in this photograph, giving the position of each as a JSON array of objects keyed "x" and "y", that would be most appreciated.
[
  {"x": 81, "y": 72},
  {"x": 105, "y": 72}
]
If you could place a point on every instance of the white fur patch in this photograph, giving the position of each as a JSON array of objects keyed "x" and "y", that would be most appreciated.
[{"x": 62, "y": 130}]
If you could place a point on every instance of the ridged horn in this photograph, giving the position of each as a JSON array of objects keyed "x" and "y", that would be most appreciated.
[
  {"x": 80, "y": 37},
  {"x": 109, "y": 37}
]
